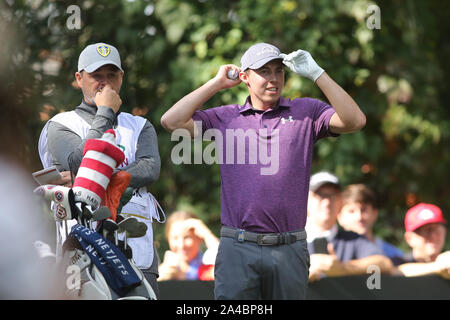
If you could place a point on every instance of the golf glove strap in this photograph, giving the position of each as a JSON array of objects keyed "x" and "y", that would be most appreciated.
[{"x": 302, "y": 63}]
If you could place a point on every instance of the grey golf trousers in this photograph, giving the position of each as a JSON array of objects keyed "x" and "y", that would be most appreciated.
[{"x": 248, "y": 271}]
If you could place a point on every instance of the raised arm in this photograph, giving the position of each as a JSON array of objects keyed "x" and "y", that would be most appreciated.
[
  {"x": 108, "y": 102},
  {"x": 348, "y": 117},
  {"x": 71, "y": 145},
  {"x": 180, "y": 114}
]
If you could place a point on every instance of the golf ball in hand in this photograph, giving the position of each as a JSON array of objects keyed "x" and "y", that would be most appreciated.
[{"x": 232, "y": 74}]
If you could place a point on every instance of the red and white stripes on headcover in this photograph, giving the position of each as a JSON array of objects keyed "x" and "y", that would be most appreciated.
[{"x": 100, "y": 158}]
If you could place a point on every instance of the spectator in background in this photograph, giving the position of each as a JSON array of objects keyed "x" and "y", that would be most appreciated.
[
  {"x": 359, "y": 213},
  {"x": 185, "y": 260},
  {"x": 335, "y": 252},
  {"x": 425, "y": 233}
]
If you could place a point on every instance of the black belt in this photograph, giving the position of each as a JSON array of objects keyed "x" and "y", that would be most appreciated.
[{"x": 263, "y": 239}]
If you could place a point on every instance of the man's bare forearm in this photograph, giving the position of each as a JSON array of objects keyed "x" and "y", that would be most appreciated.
[
  {"x": 350, "y": 117},
  {"x": 181, "y": 112},
  {"x": 418, "y": 269},
  {"x": 359, "y": 266}
]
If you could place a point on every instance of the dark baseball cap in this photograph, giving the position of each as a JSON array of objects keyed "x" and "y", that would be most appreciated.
[
  {"x": 258, "y": 55},
  {"x": 97, "y": 55}
]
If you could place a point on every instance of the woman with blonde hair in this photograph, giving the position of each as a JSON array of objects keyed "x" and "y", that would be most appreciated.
[{"x": 185, "y": 260}]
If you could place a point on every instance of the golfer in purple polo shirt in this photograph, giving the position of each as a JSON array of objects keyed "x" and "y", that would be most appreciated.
[{"x": 263, "y": 252}]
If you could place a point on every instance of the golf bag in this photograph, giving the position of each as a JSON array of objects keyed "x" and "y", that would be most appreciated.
[
  {"x": 90, "y": 258},
  {"x": 93, "y": 262}
]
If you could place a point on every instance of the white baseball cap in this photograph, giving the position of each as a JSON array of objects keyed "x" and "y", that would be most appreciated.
[
  {"x": 97, "y": 55},
  {"x": 258, "y": 55},
  {"x": 321, "y": 178}
]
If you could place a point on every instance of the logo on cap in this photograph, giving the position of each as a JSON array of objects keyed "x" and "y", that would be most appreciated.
[
  {"x": 421, "y": 214},
  {"x": 267, "y": 50},
  {"x": 103, "y": 50},
  {"x": 426, "y": 214}
]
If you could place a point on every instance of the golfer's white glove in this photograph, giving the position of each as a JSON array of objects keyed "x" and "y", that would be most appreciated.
[{"x": 302, "y": 63}]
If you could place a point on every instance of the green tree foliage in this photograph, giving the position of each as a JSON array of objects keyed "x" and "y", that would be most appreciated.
[{"x": 398, "y": 74}]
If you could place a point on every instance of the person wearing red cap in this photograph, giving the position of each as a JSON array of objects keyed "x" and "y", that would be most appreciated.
[{"x": 425, "y": 233}]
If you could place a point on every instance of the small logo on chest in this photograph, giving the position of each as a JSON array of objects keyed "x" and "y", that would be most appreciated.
[
  {"x": 125, "y": 162},
  {"x": 283, "y": 120}
]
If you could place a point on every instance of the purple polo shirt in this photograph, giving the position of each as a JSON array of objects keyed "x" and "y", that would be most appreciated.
[{"x": 274, "y": 200}]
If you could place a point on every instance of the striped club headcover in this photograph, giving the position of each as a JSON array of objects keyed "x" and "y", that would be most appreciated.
[{"x": 100, "y": 158}]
